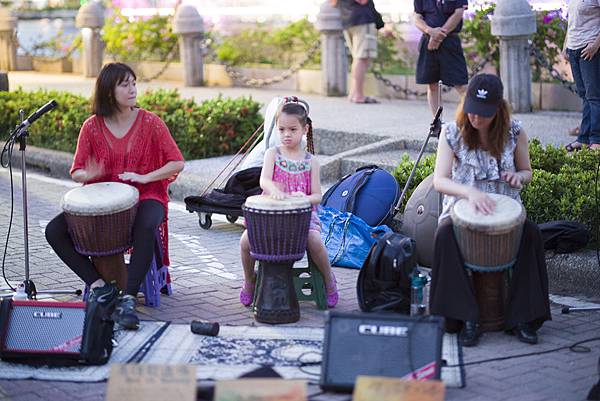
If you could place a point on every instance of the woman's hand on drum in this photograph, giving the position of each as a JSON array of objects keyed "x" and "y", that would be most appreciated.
[
  {"x": 298, "y": 194},
  {"x": 514, "y": 179},
  {"x": 481, "y": 201},
  {"x": 133, "y": 177}
]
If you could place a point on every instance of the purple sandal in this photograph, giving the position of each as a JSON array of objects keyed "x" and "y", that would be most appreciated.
[
  {"x": 246, "y": 297},
  {"x": 332, "y": 292}
]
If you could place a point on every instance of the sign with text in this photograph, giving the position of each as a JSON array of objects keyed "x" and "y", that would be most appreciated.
[
  {"x": 151, "y": 382},
  {"x": 260, "y": 390},
  {"x": 369, "y": 388}
]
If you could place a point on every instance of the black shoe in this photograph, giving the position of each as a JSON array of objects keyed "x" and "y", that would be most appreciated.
[
  {"x": 469, "y": 335},
  {"x": 124, "y": 314},
  {"x": 104, "y": 296},
  {"x": 525, "y": 334}
]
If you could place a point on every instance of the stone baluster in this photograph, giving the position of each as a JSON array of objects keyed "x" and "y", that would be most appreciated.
[
  {"x": 188, "y": 24},
  {"x": 514, "y": 23},
  {"x": 90, "y": 19},
  {"x": 8, "y": 49},
  {"x": 334, "y": 61}
]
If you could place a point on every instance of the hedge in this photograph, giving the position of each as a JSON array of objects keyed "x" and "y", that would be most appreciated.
[
  {"x": 563, "y": 187},
  {"x": 213, "y": 127}
]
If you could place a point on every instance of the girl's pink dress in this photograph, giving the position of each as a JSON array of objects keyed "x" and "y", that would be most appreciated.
[{"x": 294, "y": 176}]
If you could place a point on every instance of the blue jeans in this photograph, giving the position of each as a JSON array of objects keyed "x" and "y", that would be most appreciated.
[{"x": 587, "y": 78}]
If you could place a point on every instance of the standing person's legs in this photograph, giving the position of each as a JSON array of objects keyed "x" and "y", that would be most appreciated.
[
  {"x": 453, "y": 69},
  {"x": 590, "y": 74},
  {"x": 428, "y": 73},
  {"x": 362, "y": 41},
  {"x": 584, "y": 129}
]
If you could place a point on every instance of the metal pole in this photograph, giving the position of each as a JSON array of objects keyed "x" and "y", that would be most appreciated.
[{"x": 24, "y": 186}]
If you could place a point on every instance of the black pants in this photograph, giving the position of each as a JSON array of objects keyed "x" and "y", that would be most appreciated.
[
  {"x": 452, "y": 294},
  {"x": 149, "y": 215}
]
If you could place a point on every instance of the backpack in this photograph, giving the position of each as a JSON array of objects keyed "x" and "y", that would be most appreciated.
[
  {"x": 564, "y": 236},
  {"x": 384, "y": 280},
  {"x": 369, "y": 193}
]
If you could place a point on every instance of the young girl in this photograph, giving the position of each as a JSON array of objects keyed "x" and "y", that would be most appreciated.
[{"x": 289, "y": 170}]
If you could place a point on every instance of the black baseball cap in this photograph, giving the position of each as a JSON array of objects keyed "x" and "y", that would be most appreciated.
[{"x": 484, "y": 95}]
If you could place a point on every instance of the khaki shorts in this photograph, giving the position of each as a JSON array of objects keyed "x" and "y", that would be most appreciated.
[{"x": 362, "y": 40}]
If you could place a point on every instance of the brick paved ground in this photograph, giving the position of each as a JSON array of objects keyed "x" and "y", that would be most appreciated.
[{"x": 206, "y": 279}]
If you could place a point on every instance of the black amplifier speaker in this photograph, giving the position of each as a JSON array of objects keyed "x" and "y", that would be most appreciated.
[
  {"x": 380, "y": 344},
  {"x": 34, "y": 329}
]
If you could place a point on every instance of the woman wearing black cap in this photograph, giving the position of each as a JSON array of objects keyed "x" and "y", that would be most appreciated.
[{"x": 485, "y": 151}]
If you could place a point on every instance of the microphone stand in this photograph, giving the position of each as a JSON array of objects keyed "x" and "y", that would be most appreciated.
[
  {"x": 21, "y": 135},
  {"x": 434, "y": 131}
]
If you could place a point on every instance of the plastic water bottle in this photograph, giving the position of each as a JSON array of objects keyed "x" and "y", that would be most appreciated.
[
  {"x": 418, "y": 294},
  {"x": 20, "y": 294}
]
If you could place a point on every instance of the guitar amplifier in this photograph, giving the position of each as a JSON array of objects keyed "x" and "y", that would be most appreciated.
[
  {"x": 380, "y": 344},
  {"x": 34, "y": 329}
]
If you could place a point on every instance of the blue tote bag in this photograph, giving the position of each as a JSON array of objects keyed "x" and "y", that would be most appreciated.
[{"x": 347, "y": 237}]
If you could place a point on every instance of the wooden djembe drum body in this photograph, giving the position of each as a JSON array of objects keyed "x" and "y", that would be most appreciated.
[
  {"x": 100, "y": 220},
  {"x": 489, "y": 245},
  {"x": 278, "y": 233}
]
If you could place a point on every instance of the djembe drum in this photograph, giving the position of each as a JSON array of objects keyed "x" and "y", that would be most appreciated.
[
  {"x": 100, "y": 221},
  {"x": 278, "y": 233},
  {"x": 489, "y": 245}
]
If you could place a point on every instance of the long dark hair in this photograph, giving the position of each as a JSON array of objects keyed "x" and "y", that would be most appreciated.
[
  {"x": 111, "y": 75},
  {"x": 299, "y": 111},
  {"x": 498, "y": 133}
]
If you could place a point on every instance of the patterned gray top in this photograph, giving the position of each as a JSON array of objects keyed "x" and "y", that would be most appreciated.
[{"x": 478, "y": 168}]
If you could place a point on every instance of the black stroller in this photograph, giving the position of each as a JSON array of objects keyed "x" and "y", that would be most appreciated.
[{"x": 229, "y": 199}]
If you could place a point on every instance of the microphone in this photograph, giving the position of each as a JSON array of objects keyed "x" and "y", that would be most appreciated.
[
  {"x": 37, "y": 114},
  {"x": 436, "y": 124}
]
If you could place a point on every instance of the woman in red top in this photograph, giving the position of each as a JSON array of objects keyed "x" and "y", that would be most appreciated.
[{"x": 121, "y": 143}]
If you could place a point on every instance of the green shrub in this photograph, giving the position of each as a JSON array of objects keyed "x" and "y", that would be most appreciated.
[
  {"x": 262, "y": 45},
  {"x": 212, "y": 128},
  {"x": 563, "y": 185},
  {"x": 479, "y": 43},
  {"x": 143, "y": 39},
  {"x": 403, "y": 170}
]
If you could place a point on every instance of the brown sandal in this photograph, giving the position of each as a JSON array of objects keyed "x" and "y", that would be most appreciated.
[{"x": 574, "y": 146}]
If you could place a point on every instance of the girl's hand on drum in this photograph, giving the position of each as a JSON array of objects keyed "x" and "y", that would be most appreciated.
[
  {"x": 481, "y": 201},
  {"x": 514, "y": 179},
  {"x": 278, "y": 195},
  {"x": 133, "y": 177},
  {"x": 298, "y": 194}
]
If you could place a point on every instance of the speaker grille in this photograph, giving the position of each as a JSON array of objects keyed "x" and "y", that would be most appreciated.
[
  {"x": 44, "y": 329},
  {"x": 375, "y": 345}
]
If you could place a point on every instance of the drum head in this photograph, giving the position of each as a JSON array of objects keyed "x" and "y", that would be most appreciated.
[
  {"x": 265, "y": 202},
  {"x": 507, "y": 214},
  {"x": 100, "y": 199}
]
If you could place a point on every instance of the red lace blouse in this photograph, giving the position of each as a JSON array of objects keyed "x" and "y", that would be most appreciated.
[{"x": 147, "y": 146}]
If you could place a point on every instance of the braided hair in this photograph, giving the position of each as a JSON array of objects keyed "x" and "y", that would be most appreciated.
[{"x": 299, "y": 108}]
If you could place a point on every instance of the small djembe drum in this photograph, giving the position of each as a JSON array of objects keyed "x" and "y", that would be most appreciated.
[
  {"x": 100, "y": 221},
  {"x": 278, "y": 233},
  {"x": 489, "y": 245}
]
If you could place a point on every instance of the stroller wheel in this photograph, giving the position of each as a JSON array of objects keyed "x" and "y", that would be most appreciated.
[
  {"x": 231, "y": 219},
  {"x": 207, "y": 222}
]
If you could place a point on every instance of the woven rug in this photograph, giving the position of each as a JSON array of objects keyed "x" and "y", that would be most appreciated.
[
  {"x": 235, "y": 351},
  {"x": 240, "y": 349},
  {"x": 131, "y": 347}
]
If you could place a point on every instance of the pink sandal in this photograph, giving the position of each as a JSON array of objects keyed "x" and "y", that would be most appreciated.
[
  {"x": 332, "y": 292},
  {"x": 246, "y": 297}
]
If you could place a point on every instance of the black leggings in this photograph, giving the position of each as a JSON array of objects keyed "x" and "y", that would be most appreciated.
[{"x": 149, "y": 215}]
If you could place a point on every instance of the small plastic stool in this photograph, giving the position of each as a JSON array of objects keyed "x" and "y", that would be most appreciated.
[
  {"x": 156, "y": 282},
  {"x": 310, "y": 278}
]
